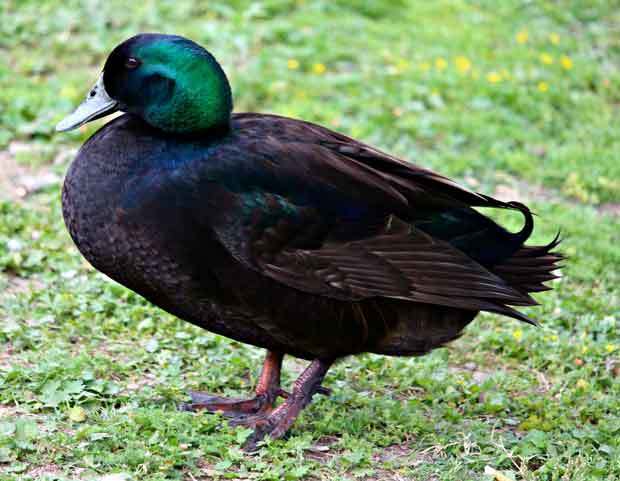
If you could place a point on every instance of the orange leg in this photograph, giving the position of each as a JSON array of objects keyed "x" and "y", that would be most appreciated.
[{"x": 267, "y": 391}]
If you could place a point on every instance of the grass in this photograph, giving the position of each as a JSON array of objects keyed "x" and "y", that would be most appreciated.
[{"x": 517, "y": 98}]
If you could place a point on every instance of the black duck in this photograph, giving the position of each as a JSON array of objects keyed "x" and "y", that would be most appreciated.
[{"x": 277, "y": 232}]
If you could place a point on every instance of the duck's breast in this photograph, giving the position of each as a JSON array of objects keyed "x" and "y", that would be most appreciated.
[{"x": 103, "y": 190}]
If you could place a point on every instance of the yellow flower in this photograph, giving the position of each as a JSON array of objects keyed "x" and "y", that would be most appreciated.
[
  {"x": 319, "y": 68},
  {"x": 582, "y": 384},
  {"x": 402, "y": 65},
  {"x": 463, "y": 64},
  {"x": 610, "y": 347},
  {"x": 441, "y": 63},
  {"x": 546, "y": 58},
  {"x": 554, "y": 338},
  {"x": 522, "y": 37},
  {"x": 543, "y": 86},
  {"x": 584, "y": 349},
  {"x": 517, "y": 334},
  {"x": 554, "y": 38},
  {"x": 566, "y": 62},
  {"x": 292, "y": 64},
  {"x": 494, "y": 77}
]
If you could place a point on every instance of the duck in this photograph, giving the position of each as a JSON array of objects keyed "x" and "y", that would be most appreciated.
[{"x": 280, "y": 233}]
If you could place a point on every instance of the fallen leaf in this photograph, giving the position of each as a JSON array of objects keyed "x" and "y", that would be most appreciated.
[
  {"x": 497, "y": 475},
  {"x": 114, "y": 477},
  {"x": 77, "y": 414}
]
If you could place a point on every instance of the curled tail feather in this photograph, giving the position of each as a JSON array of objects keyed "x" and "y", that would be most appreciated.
[{"x": 528, "y": 227}]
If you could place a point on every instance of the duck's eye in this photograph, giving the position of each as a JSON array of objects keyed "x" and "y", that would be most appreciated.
[{"x": 132, "y": 63}]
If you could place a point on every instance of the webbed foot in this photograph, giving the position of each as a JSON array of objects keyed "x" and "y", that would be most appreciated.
[
  {"x": 267, "y": 391},
  {"x": 231, "y": 407},
  {"x": 276, "y": 423}
]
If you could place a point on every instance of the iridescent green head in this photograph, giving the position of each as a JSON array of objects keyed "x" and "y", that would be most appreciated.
[{"x": 171, "y": 82}]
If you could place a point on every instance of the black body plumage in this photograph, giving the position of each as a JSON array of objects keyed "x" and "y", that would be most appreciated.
[{"x": 288, "y": 236}]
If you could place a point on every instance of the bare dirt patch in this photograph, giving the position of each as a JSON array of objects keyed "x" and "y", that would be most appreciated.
[
  {"x": 322, "y": 450},
  {"x": 511, "y": 189},
  {"x": 5, "y": 360},
  {"x": 45, "y": 470},
  {"x": 19, "y": 285},
  {"x": 478, "y": 374},
  {"x": 520, "y": 191},
  {"x": 147, "y": 379},
  {"x": 610, "y": 208},
  {"x": 401, "y": 454},
  {"x": 8, "y": 411},
  {"x": 18, "y": 180}
]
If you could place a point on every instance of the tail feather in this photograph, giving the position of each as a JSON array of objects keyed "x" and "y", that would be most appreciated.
[
  {"x": 531, "y": 266},
  {"x": 523, "y": 268},
  {"x": 527, "y": 271},
  {"x": 510, "y": 312}
]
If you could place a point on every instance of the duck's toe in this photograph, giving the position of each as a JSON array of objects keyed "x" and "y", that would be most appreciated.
[
  {"x": 277, "y": 423},
  {"x": 229, "y": 407}
]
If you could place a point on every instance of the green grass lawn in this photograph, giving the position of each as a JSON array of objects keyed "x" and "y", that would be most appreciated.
[{"x": 514, "y": 98}]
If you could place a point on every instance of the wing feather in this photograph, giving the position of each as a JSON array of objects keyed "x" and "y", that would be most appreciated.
[{"x": 330, "y": 216}]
